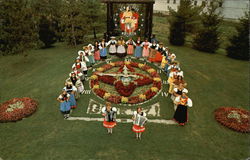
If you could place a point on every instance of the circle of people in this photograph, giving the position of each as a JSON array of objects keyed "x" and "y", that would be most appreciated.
[{"x": 150, "y": 51}]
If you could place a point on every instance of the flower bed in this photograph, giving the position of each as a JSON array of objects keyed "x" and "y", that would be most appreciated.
[
  {"x": 234, "y": 118},
  {"x": 17, "y": 108},
  {"x": 125, "y": 91}
]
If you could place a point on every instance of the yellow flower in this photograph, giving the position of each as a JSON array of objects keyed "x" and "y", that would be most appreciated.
[
  {"x": 127, "y": 62},
  {"x": 106, "y": 95},
  {"x": 124, "y": 99},
  {"x": 157, "y": 79},
  {"x": 142, "y": 96},
  {"x": 112, "y": 64},
  {"x": 154, "y": 89},
  {"x": 94, "y": 77},
  {"x": 151, "y": 70},
  {"x": 96, "y": 86},
  {"x": 140, "y": 65},
  {"x": 100, "y": 69}
]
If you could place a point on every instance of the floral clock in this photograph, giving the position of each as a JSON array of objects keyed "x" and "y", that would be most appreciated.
[
  {"x": 234, "y": 118},
  {"x": 125, "y": 82},
  {"x": 17, "y": 109}
]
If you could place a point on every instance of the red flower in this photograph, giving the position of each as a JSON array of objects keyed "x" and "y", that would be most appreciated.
[
  {"x": 107, "y": 79},
  {"x": 133, "y": 100},
  {"x": 29, "y": 107},
  {"x": 143, "y": 80},
  {"x": 100, "y": 92},
  {"x": 125, "y": 90},
  {"x": 93, "y": 82},
  {"x": 234, "y": 118},
  {"x": 157, "y": 84},
  {"x": 114, "y": 99},
  {"x": 149, "y": 94}
]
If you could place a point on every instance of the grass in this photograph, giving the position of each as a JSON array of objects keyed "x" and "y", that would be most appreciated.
[{"x": 213, "y": 81}]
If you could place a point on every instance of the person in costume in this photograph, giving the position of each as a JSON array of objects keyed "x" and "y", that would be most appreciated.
[
  {"x": 177, "y": 91},
  {"x": 90, "y": 52},
  {"x": 80, "y": 67},
  {"x": 138, "y": 48},
  {"x": 139, "y": 120},
  {"x": 76, "y": 81},
  {"x": 179, "y": 81},
  {"x": 70, "y": 89},
  {"x": 181, "y": 114},
  {"x": 112, "y": 46},
  {"x": 173, "y": 67},
  {"x": 145, "y": 51},
  {"x": 64, "y": 104},
  {"x": 109, "y": 114},
  {"x": 103, "y": 50},
  {"x": 160, "y": 52},
  {"x": 97, "y": 51},
  {"x": 171, "y": 81},
  {"x": 130, "y": 43},
  {"x": 121, "y": 51},
  {"x": 152, "y": 51},
  {"x": 82, "y": 56}
]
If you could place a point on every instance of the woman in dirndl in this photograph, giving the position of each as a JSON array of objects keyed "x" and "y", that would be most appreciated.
[
  {"x": 181, "y": 113},
  {"x": 109, "y": 114},
  {"x": 146, "y": 46},
  {"x": 138, "y": 48},
  {"x": 112, "y": 46},
  {"x": 70, "y": 89},
  {"x": 97, "y": 51},
  {"x": 130, "y": 43},
  {"x": 103, "y": 50},
  {"x": 121, "y": 51},
  {"x": 152, "y": 51},
  {"x": 139, "y": 120},
  {"x": 64, "y": 104}
]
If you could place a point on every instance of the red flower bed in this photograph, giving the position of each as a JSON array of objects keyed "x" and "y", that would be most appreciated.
[
  {"x": 115, "y": 99},
  {"x": 157, "y": 84},
  {"x": 93, "y": 82},
  {"x": 234, "y": 118},
  {"x": 149, "y": 94},
  {"x": 118, "y": 63},
  {"x": 134, "y": 64},
  {"x": 143, "y": 80},
  {"x": 125, "y": 90},
  {"x": 154, "y": 74},
  {"x": 134, "y": 100},
  {"x": 107, "y": 79},
  {"x": 9, "y": 113},
  {"x": 107, "y": 67},
  {"x": 100, "y": 92}
]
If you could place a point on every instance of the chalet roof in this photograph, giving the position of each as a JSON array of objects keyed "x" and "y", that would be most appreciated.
[{"x": 128, "y": 1}]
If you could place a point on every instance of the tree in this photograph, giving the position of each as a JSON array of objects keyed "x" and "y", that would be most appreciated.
[
  {"x": 182, "y": 21},
  {"x": 17, "y": 27},
  {"x": 73, "y": 21},
  {"x": 95, "y": 16},
  {"x": 207, "y": 37},
  {"x": 47, "y": 12},
  {"x": 239, "y": 48}
]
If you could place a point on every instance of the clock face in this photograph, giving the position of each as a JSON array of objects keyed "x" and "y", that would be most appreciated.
[{"x": 125, "y": 82}]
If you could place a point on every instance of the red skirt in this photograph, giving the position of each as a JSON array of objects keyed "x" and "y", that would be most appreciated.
[
  {"x": 130, "y": 49},
  {"x": 138, "y": 129},
  {"x": 109, "y": 124}
]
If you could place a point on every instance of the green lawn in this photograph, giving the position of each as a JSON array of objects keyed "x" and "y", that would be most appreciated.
[{"x": 213, "y": 81}]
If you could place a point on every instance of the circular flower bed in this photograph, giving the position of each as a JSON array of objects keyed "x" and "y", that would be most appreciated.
[
  {"x": 16, "y": 109},
  {"x": 125, "y": 90},
  {"x": 234, "y": 118}
]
